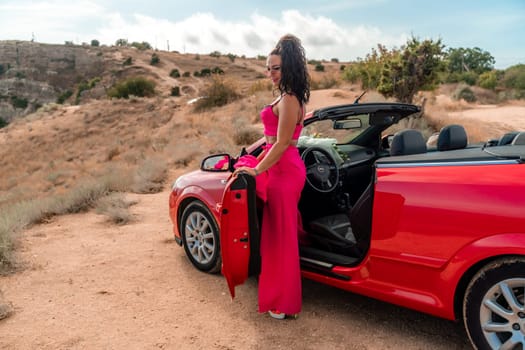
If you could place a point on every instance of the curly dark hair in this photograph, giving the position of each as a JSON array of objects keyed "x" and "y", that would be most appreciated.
[{"x": 294, "y": 71}]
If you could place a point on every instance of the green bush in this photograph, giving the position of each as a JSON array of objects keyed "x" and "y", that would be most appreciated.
[
  {"x": 95, "y": 42},
  {"x": 232, "y": 57},
  {"x": 219, "y": 93},
  {"x": 64, "y": 96},
  {"x": 464, "y": 92},
  {"x": 175, "y": 91},
  {"x": 319, "y": 67},
  {"x": 136, "y": 86},
  {"x": 488, "y": 80},
  {"x": 514, "y": 77},
  {"x": 462, "y": 77},
  {"x": 3, "y": 123},
  {"x": 205, "y": 72},
  {"x": 141, "y": 46},
  {"x": 19, "y": 102},
  {"x": 155, "y": 59},
  {"x": 121, "y": 42},
  {"x": 127, "y": 62},
  {"x": 175, "y": 73}
]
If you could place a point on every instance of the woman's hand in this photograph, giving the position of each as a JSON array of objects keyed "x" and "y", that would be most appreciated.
[{"x": 248, "y": 170}]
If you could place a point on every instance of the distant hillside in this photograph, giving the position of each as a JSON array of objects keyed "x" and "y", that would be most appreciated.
[{"x": 33, "y": 74}]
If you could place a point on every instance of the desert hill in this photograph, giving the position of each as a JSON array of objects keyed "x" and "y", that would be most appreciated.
[{"x": 48, "y": 150}]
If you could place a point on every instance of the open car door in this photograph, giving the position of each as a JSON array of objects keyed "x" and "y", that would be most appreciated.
[{"x": 239, "y": 231}]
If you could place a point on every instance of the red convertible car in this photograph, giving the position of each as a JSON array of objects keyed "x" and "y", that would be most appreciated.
[{"x": 439, "y": 229}]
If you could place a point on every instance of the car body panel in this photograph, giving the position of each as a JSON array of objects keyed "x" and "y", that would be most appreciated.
[
  {"x": 207, "y": 187},
  {"x": 427, "y": 232}
]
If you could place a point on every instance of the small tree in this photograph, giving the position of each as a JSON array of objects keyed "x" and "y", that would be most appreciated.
[
  {"x": 469, "y": 59},
  {"x": 155, "y": 59},
  {"x": 175, "y": 91},
  {"x": 514, "y": 77},
  {"x": 95, "y": 42},
  {"x": 137, "y": 86},
  {"x": 412, "y": 68},
  {"x": 121, "y": 42}
]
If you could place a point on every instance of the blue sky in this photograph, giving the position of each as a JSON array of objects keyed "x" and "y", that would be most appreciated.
[{"x": 329, "y": 29}]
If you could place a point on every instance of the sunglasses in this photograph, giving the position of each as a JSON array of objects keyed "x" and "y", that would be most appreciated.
[{"x": 274, "y": 68}]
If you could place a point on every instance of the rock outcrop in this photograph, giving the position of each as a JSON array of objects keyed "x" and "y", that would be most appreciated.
[{"x": 33, "y": 74}]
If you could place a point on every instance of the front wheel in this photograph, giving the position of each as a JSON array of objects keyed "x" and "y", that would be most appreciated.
[
  {"x": 494, "y": 306},
  {"x": 200, "y": 237}
]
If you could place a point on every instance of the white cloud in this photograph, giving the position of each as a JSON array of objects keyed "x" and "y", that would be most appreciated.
[{"x": 59, "y": 21}]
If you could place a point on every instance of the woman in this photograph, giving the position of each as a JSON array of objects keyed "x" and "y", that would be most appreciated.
[{"x": 280, "y": 278}]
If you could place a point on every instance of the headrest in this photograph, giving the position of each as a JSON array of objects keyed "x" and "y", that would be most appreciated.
[
  {"x": 519, "y": 139},
  {"x": 507, "y": 138},
  {"x": 408, "y": 141},
  {"x": 452, "y": 137}
]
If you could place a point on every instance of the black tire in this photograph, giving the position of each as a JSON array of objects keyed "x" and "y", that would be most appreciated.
[
  {"x": 494, "y": 306},
  {"x": 200, "y": 237}
]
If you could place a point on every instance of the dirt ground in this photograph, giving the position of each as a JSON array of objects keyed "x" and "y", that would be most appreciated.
[{"x": 94, "y": 285}]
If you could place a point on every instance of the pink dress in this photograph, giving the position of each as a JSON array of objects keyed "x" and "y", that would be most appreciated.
[{"x": 280, "y": 278}]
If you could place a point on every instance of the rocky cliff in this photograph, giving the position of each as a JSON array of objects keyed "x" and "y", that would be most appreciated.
[{"x": 32, "y": 74}]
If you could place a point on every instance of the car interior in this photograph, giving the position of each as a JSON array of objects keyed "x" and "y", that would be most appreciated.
[{"x": 340, "y": 184}]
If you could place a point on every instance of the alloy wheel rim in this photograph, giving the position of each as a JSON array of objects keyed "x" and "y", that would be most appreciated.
[
  {"x": 502, "y": 314},
  {"x": 199, "y": 238}
]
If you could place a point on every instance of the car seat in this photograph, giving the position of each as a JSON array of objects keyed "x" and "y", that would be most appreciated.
[
  {"x": 408, "y": 141},
  {"x": 346, "y": 233},
  {"x": 452, "y": 137}
]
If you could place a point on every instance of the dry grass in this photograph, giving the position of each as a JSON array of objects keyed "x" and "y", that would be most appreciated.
[
  {"x": 115, "y": 207},
  {"x": 6, "y": 308}
]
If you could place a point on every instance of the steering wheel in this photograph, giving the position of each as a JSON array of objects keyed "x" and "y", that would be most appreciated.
[{"x": 322, "y": 172}]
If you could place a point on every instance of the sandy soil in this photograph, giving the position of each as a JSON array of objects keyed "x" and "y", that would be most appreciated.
[{"x": 93, "y": 285}]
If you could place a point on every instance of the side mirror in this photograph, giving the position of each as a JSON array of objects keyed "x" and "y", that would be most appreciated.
[{"x": 217, "y": 163}]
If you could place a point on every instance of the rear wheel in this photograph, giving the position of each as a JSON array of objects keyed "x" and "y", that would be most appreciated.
[
  {"x": 494, "y": 306},
  {"x": 200, "y": 237}
]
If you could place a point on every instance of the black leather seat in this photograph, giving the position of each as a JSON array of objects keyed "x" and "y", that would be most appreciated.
[
  {"x": 408, "y": 141},
  {"x": 452, "y": 137},
  {"x": 347, "y": 234}
]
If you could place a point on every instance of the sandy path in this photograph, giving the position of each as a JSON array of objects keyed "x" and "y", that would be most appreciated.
[{"x": 94, "y": 285}]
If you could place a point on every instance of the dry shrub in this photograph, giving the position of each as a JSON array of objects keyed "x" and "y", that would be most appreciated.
[
  {"x": 219, "y": 93},
  {"x": 260, "y": 85},
  {"x": 150, "y": 176},
  {"x": 115, "y": 207},
  {"x": 326, "y": 82},
  {"x": 246, "y": 135},
  {"x": 6, "y": 309},
  {"x": 22, "y": 214}
]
